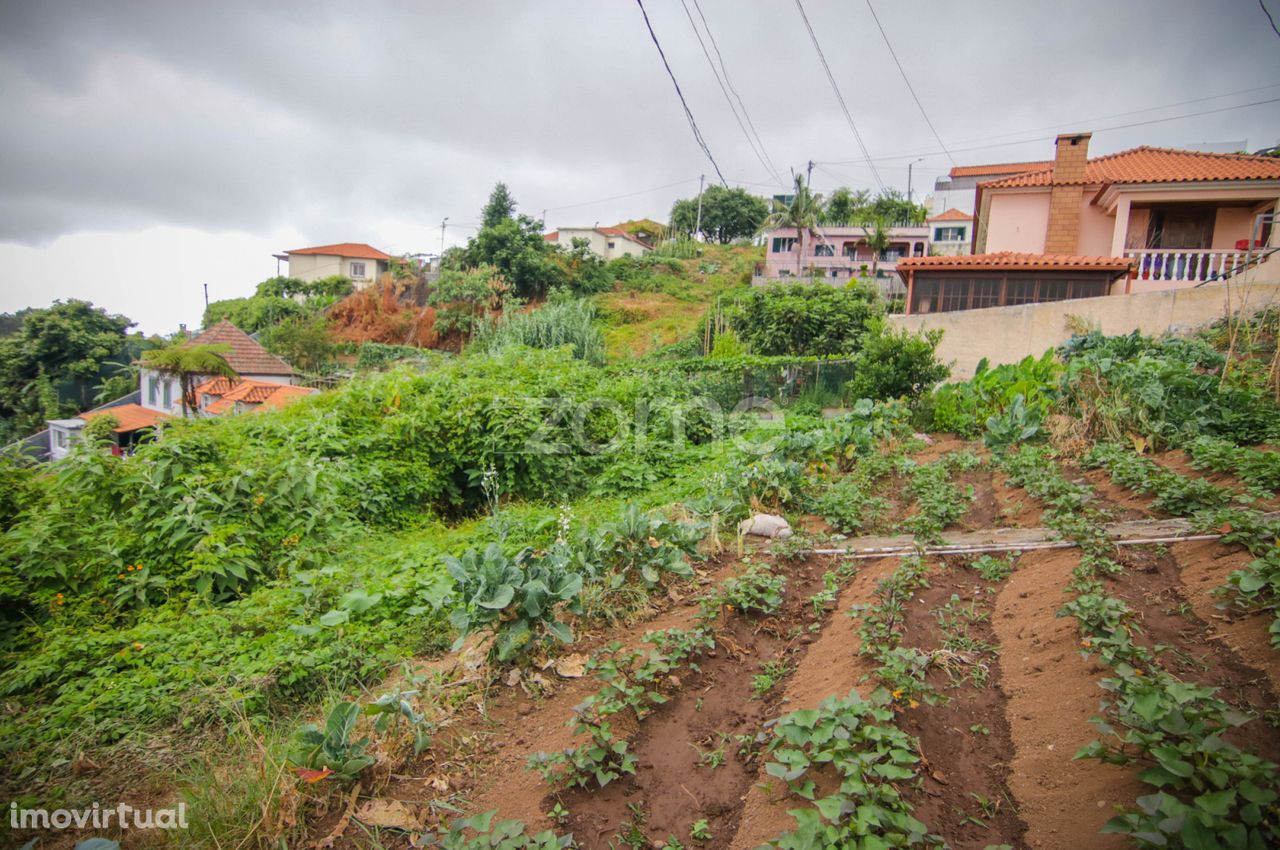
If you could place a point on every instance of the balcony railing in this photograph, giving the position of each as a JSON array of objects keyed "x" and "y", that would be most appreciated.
[{"x": 1200, "y": 266}]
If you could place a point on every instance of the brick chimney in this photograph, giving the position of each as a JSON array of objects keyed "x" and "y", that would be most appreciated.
[{"x": 1062, "y": 236}]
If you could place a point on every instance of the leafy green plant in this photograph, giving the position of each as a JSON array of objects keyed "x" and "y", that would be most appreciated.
[
  {"x": 869, "y": 754},
  {"x": 481, "y": 833},
  {"x": 701, "y": 830},
  {"x": 332, "y": 750},
  {"x": 1015, "y": 424},
  {"x": 758, "y": 590},
  {"x": 515, "y": 598}
]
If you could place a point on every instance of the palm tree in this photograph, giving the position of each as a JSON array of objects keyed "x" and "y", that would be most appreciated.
[
  {"x": 803, "y": 213},
  {"x": 188, "y": 363},
  {"x": 877, "y": 240}
]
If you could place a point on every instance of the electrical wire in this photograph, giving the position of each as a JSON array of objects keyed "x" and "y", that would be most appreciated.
[
  {"x": 839, "y": 97},
  {"x": 889, "y": 158},
  {"x": 620, "y": 197},
  {"x": 724, "y": 72},
  {"x": 693, "y": 125},
  {"x": 1270, "y": 19},
  {"x": 725, "y": 92},
  {"x": 910, "y": 87}
]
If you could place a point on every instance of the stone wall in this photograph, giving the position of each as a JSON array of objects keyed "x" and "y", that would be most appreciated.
[{"x": 1008, "y": 334}]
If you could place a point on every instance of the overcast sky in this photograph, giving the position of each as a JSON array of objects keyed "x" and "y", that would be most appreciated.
[{"x": 152, "y": 147}]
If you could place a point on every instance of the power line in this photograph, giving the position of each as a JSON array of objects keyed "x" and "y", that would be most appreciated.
[
  {"x": 620, "y": 197},
  {"x": 1270, "y": 19},
  {"x": 839, "y": 97},
  {"x": 693, "y": 125},
  {"x": 1083, "y": 121},
  {"x": 910, "y": 87},
  {"x": 724, "y": 71},
  {"x": 892, "y": 157},
  {"x": 725, "y": 91}
]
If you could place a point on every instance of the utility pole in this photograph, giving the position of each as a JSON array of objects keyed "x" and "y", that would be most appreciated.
[
  {"x": 697, "y": 228},
  {"x": 544, "y": 219},
  {"x": 442, "y": 226},
  {"x": 206, "y": 296},
  {"x": 909, "y": 165},
  {"x": 808, "y": 177}
]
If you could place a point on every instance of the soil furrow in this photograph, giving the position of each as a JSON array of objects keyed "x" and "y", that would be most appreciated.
[
  {"x": 832, "y": 666},
  {"x": 1051, "y": 693},
  {"x": 965, "y": 738}
]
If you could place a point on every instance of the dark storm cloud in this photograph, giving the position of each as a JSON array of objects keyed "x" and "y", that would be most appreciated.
[{"x": 248, "y": 116}]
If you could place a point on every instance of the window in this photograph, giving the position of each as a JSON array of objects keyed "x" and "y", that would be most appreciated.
[
  {"x": 357, "y": 270},
  {"x": 835, "y": 272},
  {"x": 152, "y": 390},
  {"x": 612, "y": 245},
  {"x": 59, "y": 438},
  {"x": 986, "y": 293},
  {"x": 784, "y": 272},
  {"x": 823, "y": 251},
  {"x": 168, "y": 393},
  {"x": 948, "y": 234},
  {"x": 783, "y": 244}
]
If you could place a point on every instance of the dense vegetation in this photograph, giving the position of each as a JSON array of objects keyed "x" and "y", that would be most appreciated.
[{"x": 240, "y": 587}]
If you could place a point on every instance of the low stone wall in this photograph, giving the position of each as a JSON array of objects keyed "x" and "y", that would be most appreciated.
[{"x": 1008, "y": 334}]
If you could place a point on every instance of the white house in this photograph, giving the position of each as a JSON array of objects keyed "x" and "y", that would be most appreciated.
[
  {"x": 362, "y": 263},
  {"x": 607, "y": 242},
  {"x": 250, "y": 360},
  {"x": 264, "y": 381},
  {"x": 950, "y": 233}
]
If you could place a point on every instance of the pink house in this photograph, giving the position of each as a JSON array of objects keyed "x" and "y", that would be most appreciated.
[
  {"x": 838, "y": 253},
  {"x": 1139, "y": 220}
]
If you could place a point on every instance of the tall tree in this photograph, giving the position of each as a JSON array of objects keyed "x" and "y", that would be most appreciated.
[
  {"x": 51, "y": 363},
  {"x": 803, "y": 213},
  {"x": 878, "y": 241},
  {"x": 845, "y": 206},
  {"x": 189, "y": 364},
  {"x": 500, "y": 208},
  {"x": 727, "y": 214}
]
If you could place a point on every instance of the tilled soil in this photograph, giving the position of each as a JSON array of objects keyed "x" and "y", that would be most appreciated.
[
  {"x": 1051, "y": 693},
  {"x": 965, "y": 738},
  {"x": 1151, "y": 586},
  {"x": 831, "y": 667},
  {"x": 670, "y": 789}
]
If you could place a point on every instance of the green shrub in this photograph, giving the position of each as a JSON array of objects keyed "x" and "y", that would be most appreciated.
[
  {"x": 558, "y": 324},
  {"x": 897, "y": 364},
  {"x": 801, "y": 319}
]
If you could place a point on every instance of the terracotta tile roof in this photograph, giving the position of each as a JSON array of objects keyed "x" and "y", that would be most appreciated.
[
  {"x": 1010, "y": 261},
  {"x": 1156, "y": 165},
  {"x": 225, "y": 393},
  {"x": 246, "y": 356},
  {"x": 356, "y": 250},
  {"x": 999, "y": 168},
  {"x": 130, "y": 416},
  {"x": 617, "y": 231},
  {"x": 552, "y": 236},
  {"x": 952, "y": 214}
]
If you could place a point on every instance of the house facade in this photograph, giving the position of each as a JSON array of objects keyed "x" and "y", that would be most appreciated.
[
  {"x": 950, "y": 233},
  {"x": 608, "y": 243},
  {"x": 956, "y": 190},
  {"x": 263, "y": 381},
  {"x": 362, "y": 263},
  {"x": 838, "y": 253},
  {"x": 1142, "y": 220}
]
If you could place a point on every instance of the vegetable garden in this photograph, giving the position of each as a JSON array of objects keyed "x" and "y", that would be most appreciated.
[{"x": 387, "y": 618}]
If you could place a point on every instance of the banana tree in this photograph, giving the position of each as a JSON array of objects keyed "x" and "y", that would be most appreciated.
[{"x": 804, "y": 213}]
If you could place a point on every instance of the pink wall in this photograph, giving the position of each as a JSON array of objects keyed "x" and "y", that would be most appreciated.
[
  {"x": 1016, "y": 221},
  {"x": 1231, "y": 224},
  {"x": 1096, "y": 229}
]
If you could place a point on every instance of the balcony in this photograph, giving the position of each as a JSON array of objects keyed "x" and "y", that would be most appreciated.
[{"x": 1190, "y": 266}]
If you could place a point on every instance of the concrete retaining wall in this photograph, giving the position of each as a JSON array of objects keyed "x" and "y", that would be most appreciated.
[{"x": 1008, "y": 334}]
